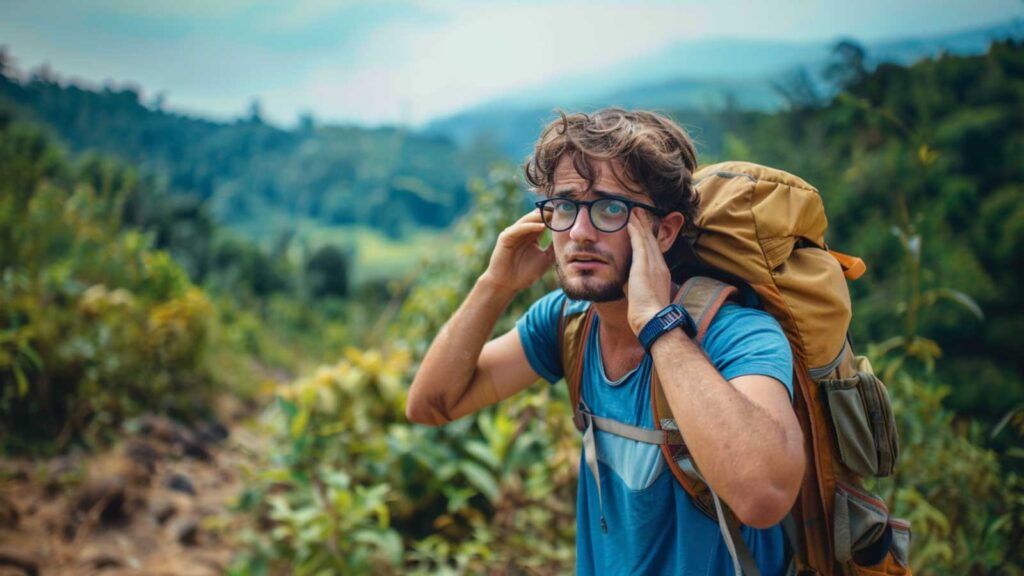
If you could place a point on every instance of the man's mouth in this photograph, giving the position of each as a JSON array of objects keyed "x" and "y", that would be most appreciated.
[{"x": 586, "y": 261}]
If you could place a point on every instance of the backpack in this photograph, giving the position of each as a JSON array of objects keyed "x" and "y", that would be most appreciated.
[{"x": 761, "y": 242}]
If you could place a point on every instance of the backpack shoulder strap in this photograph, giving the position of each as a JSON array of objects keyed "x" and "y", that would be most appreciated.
[
  {"x": 573, "y": 332},
  {"x": 702, "y": 298}
]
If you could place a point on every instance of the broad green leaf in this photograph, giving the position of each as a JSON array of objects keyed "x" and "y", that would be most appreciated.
[
  {"x": 481, "y": 479},
  {"x": 957, "y": 297},
  {"x": 483, "y": 453}
]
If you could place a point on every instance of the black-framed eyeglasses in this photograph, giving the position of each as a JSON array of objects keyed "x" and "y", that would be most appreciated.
[{"x": 606, "y": 214}]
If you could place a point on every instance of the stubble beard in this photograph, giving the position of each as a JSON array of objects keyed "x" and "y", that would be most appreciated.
[{"x": 586, "y": 286}]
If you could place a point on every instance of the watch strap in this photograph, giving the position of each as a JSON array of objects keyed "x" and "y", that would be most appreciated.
[{"x": 667, "y": 319}]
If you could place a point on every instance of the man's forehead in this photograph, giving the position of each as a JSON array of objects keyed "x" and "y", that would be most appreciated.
[{"x": 609, "y": 177}]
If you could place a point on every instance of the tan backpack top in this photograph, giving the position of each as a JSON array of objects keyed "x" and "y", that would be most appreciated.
[{"x": 766, "y": 228}]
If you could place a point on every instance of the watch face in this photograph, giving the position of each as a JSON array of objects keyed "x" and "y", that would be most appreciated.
[
  {"x": 669, "y": 315},
  {"x": 665, "y": 320}
]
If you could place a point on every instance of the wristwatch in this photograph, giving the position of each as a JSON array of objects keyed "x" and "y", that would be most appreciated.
[{"x": 669, "y": 318}]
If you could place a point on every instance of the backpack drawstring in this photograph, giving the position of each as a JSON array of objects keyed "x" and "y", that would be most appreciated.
[{"x": 590, "y": 455}]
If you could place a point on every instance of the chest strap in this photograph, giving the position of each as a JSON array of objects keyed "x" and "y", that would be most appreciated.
[
  {"x": 584, "y": 418},
  {"x": 585, "y": 421}
]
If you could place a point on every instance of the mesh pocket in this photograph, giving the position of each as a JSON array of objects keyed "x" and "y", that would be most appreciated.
[{"x": 863, "y": 422}]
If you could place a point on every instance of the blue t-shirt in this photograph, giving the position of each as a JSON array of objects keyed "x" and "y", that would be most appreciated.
[{"x": 653, "y": 527}]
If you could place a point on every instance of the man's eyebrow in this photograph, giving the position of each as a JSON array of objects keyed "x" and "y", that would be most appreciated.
[
  {"x": 618, "y": 196},
  {"x": 606, "y": 194},
  {"x": 573, "y": 192}
]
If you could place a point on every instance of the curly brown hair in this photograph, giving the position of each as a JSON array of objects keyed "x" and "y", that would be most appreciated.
[{"x": 642, "y": 147}]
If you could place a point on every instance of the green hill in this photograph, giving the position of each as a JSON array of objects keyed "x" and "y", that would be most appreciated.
[{"x": 254, "y": 176}]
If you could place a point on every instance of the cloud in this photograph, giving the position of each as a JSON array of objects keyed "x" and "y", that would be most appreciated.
[{"x": 409, "y": 60}]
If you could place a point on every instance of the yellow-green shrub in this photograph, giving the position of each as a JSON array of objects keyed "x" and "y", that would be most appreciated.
[{"x": 95, "y": 326}]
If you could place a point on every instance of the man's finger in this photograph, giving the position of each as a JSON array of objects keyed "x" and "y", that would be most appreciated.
[
  {"x": 531, "y": 215},
  {"x": 636, "y": 237},
  {"x": 523, "y": 229},
  {"x": 652, "y": 249},
  {"x": 644, "y": 243}
]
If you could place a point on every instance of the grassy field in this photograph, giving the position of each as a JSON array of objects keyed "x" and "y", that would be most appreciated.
[{"x": 374, "y": 256}]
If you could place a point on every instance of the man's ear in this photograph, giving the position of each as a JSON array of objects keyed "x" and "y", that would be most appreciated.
[{"x": 669, "y": 228}]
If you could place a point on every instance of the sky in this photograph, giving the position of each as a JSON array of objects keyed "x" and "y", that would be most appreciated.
[{"x": 408, "y": 61}]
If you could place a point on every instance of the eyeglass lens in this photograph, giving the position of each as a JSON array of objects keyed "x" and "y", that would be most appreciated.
[{"x": 607, "y": 214}]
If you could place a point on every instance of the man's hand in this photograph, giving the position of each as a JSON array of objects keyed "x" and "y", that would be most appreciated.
[
  {"x": 650, "y": 283},
  {"x": 518, "y": 261}
]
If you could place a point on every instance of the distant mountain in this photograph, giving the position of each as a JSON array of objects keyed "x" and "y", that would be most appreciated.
[
  {"x": 257, "y": 177},
  {"x": 968, "y": 42},
  {"x": 701, "y": 76}
]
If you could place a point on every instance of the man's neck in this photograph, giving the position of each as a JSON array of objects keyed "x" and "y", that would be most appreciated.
[
  {"x": 614, "y": 318},
  {"x": 620, "y": 347}
]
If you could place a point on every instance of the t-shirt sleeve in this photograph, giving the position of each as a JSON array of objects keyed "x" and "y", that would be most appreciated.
[
  {"x": 746, "y": 341},
  {"x": 538, "y": 332}
]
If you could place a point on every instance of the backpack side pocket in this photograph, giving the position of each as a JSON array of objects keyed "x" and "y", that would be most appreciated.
[
  {"x": 862, "y": 421},
  {"x": 866, "y": 538}
]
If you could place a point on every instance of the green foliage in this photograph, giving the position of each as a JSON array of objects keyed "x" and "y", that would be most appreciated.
[
  {"x": 965, "y": 507},
  {"x": 95, "y": 326},
  {"x": 240, "y": 267},
  {"x": 327, "y": 272}
]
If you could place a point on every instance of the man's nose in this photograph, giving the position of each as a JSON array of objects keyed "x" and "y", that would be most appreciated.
[{"x": 583, "y": 229}]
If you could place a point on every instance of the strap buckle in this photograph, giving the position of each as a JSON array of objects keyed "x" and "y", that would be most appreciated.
[{"x": 581, "y": 419}]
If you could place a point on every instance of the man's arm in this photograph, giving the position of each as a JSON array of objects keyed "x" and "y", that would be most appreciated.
[
  {"x": 460, "y": 374},
  {"x": 743, "y": 434}
]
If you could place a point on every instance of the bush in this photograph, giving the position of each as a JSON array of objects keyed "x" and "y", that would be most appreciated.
[
  {"x": 355, "y": 488},
  {"x": 95, "y": 326}
]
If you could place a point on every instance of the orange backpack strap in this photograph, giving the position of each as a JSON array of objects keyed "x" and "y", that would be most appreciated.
[
  {"x": 573, "y": 332},
  {"x": 702, "y": 298}
]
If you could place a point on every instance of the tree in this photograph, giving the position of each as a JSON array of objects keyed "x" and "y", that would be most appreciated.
[
  {"x": 798, "y": 90},
  {"x": 327, "y": 272},
  {"x": 255, "y": 111},
  {"x": 846, "y": 67}
]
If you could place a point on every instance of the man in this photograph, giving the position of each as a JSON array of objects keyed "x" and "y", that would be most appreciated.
[{"x": 618, "y": 193}]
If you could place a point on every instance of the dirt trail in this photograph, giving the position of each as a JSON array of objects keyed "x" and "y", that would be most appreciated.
[{"x": 155, "y": 503}]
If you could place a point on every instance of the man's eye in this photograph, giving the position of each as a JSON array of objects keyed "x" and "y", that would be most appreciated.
[
  {"x": 614, "y": 209},
  {"x": 565, "y": 206}
]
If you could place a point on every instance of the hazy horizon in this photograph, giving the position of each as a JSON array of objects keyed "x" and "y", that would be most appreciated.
[{"x": 407, "y": 62}]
